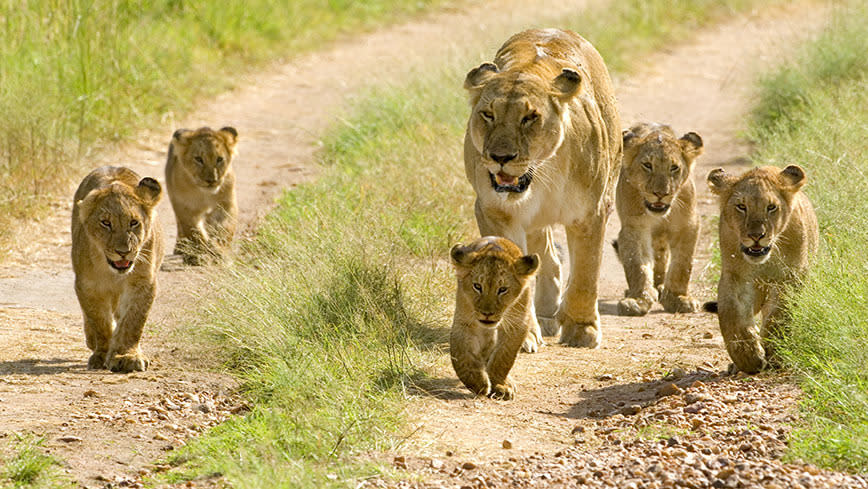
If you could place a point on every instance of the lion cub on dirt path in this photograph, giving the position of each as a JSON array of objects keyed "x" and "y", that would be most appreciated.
[
  {"x": 492, "y": 313},
  {"x": 656, "y": 202},
  {"x": 201, "y": 185},
  {"x": 117, "y": 247},
  {"x": 768, "y": 236}
]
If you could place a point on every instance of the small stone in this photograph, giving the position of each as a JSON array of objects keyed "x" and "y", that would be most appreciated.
[
  {"x": 578, "y": 429},
  {"x": 436, "y": 464},
  {"x": 672, "y": 441},
  {"x": 696, "y": 423},
  {"x": 606, "y": 377},
  {"x": 669, "y": 389},
  {"x": 400, "y": 462},
  {"x": 725, "y": 473},
  {"x": 694, "y": 408},
  {"x": 449, "y": 453},
  {"x": 468, "y": 466},
  {"x": 697, "y": 384},
  {"x": 676, "y": 373},
  {"x": 693, "y": 397},
  {"x": 69, "y": 439},
  {"x": 708, "y": 335},
  {"x": 161, "y": 437},
  {"x": 507, "y": 444},
  {"x": 631, "y": 410},
  {"x": 90, "y": 393},
  {"x": 205, "y": 408}
]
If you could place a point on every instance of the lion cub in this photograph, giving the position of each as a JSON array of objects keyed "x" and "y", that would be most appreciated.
[
  {"x": 492, "y": 313},
  {"x": 201, "y": 185},
  {"x": 117, "y": 247},
  {"x": 656, "y": 202},
  {"x": 768, "y": 235}
]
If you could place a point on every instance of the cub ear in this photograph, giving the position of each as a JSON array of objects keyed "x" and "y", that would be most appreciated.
[
  {"x": 461, "y": 255},
  {"x": 150, "y": 191},
  {"x": 567, "y": 83},
  {"x": 479, "y": 75},
  {"x": 181, "y": 135},
  {"x": 526, "y": 265},
  {"x": 691, "y": 145},
  {"x": 793, "y": 177},
  {"x": 718, "y": 181},
  {"x": 230, "y": 136}
]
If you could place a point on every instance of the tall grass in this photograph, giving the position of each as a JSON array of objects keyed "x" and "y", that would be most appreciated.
[
  {"x": 813, "y": 113},
  {"x": 77, "y": 73},
  {"x": 345, "y": 295}
]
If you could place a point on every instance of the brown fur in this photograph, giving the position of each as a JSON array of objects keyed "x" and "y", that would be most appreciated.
[
  {"x": 201, "y": 185},
  {"x": 656, "y": 248},
  {"x": 492, "y": 313},
  {"x": 546, "y": 107},
  {"x": 114, "y": 220},
  {"x": 764, "y": 207}
]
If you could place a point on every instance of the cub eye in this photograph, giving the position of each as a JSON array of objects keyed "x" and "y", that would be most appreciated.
[
  {"x": 501, "y": 290},
  {"x": 772, "y": 208},
  {"x": 477, "y": 288},
  {"x": 674, "y": 168},
  {"x": 219, "y": 160},
  {"x": 529, "y": 119},
  {"x": 488, "y": 116},
  {"x": 199, "y": 161},
  {"x": 741, "y": 207},
  {"x": 134, "y": 223},
  {"x": 646, "y": 165},
  {"x": 106, "y": 223}
]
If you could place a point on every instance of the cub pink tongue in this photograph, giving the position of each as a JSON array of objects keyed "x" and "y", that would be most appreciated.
[{"x": 122, "y": 263}]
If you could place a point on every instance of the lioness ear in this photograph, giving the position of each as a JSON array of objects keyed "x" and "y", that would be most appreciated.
[
  {"x": 150, "y": 191},
  {"x": 527, "y": 265},
  {"x": 479, "y": 75},
  {"x": 230, "y": 135},
  {"x": 461, "y": 255},
  {"x": 85, "y": 206},
  {"x": 629, "y": 137},
  {"x": 691, "y": 145},
  {"x": 567, "y": 83},
  {"x": 718, "y": 180},
  {"x": 794, "y": 177}
]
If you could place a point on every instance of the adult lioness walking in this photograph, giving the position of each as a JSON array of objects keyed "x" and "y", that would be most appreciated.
[{"x": 543, "y": 146}]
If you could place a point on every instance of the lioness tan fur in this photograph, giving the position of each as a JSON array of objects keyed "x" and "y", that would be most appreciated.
[
  {"x": 656, "y": 202},
  {"x": 493, "y": 311},
  {"x": 117, "y": 248},
  {"x": 201, "y": 185},
  {"x": 768, "y": 235},
  {"x": 543, "y": 147}
]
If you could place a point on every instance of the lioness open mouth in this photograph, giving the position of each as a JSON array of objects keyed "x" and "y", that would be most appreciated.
[
  {"x": 508, "y": 183},
  {"x": 120, "y": 265},
  {"x": 755, "y": 250},
  {"x": 659, "y": 207}
]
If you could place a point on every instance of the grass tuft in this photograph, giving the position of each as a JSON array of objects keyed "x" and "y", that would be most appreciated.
[{"x": 29, "y": 466}]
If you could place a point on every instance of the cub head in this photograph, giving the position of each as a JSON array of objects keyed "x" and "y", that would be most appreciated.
[
  {"x": 756, "y": 206},
  {"x": 117, "y": 218},
  {"x": 205, "y": 154},
  {"x": 517, "y": 121},
  {"x": 657, "y": 164},
  {"x": 492, "y": 272}
]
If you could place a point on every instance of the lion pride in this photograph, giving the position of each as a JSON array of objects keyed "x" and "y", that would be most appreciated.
[{"x": 543, "y": 147}]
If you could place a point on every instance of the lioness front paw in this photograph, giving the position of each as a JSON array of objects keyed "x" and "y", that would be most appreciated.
[
  {"x": 504, "y": 392},
  {"x": 633, "y": 307},
  {"x": 678, "y": 303},
  {"x": 96, "y": 360},
  {"x": 130, "y": 362},
  {"x": 549, "y": 325},
  {"x": 584, "y": 335},
  {"x": 748, "y": 356}
]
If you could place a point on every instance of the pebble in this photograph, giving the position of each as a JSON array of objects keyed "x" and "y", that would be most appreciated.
[
  {"x": 669, "y": 389},
  {"x": 507, "y": 444},
  {"x": 69, "y": 439}
]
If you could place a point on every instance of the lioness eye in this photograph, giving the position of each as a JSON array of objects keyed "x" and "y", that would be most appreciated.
[
  {"x": 106, "y": 223},
  {"x": 501, "y": 291},
  {"x": 529, "y": 119},
  {"x": 772, "y": 208},
  {"x": 199, "y": 160},
  {"x": 646, "y": 165},
  {"x": 134, "y": 223},
  {"x": 741, "y": 207},
  {"x": 487, "y": 115},
  {"x": 477, "y": 288}
]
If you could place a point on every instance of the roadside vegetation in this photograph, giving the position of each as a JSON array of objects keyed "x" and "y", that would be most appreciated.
[
  {"x": 75, "y": 76},
  {"x": 342, "y": 302},
  {"x": 813, "y": 113},
  {"x": 28, "y": 466}
]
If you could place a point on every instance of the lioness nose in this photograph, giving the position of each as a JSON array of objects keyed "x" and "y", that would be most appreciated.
[
  {"x": 756, "y": 235},
  {"x": 503, "y": 158}
]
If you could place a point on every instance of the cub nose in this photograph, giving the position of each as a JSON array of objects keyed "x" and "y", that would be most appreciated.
[
  {"x": 122, "y": 253},
  {"x": 660, "y": 195},
  {"x": 503, "y": 158}
]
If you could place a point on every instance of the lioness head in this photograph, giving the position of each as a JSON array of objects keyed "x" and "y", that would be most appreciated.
[
  {"x": 117, "y": 219},
  {"x": 205, "y": 154},
  {"x": 516, "y": 122},
  {"x": 756, "y": 206},
  {"x": 492, "y": 272},
  {"x": 657, "y": 164}
]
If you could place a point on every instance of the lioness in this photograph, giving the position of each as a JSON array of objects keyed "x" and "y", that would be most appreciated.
[
  {"x": 201, "y": 185},
  {"x": 768, "y": 235},
  {"x": 543, "y": 147},
  {"x": 656, "y": 202},
  {"x": 492, "y": 313},
  {"x": 117, "y": 247}
]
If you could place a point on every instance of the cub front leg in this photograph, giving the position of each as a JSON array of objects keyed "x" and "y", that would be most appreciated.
[
  {"x": 469, "y": 351},
  {"x": 676, "y": 294},
  {"x": 735, "y": 311},
  {"x": 578, "y": 316},
  {"x": 637, "y": 257},
  {"x": 512, "y": 330},
  {"x": 124, "y": 354},
  {"x": 547, "y": 290},
  {"x": 97, "y": 327}
]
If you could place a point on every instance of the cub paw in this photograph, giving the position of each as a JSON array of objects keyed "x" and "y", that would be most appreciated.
[
  {"x": 130, "y": 362},
  {"x": 96, "y": 360},
  {"x": 678, "y": 303},
  {"x": 633, "y": 307},
  {"x": 532, "y": 343},
  {"x": 505, "y": 392},
  {"x": 583, "y": 335}
]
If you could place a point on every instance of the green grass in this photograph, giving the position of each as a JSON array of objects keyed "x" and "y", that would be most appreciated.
[
  {"x": 344, "y": 298},
  {"x": 813, "y": 113},
  {"x": 76, "y": 75},
  {"x": 28, "y": 466}
]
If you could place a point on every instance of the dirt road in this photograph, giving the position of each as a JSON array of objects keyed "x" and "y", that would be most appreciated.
[{"x": 111, "y": 428}]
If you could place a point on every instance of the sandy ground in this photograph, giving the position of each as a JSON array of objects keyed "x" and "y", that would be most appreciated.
[{"x": 112, "y": 428}]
